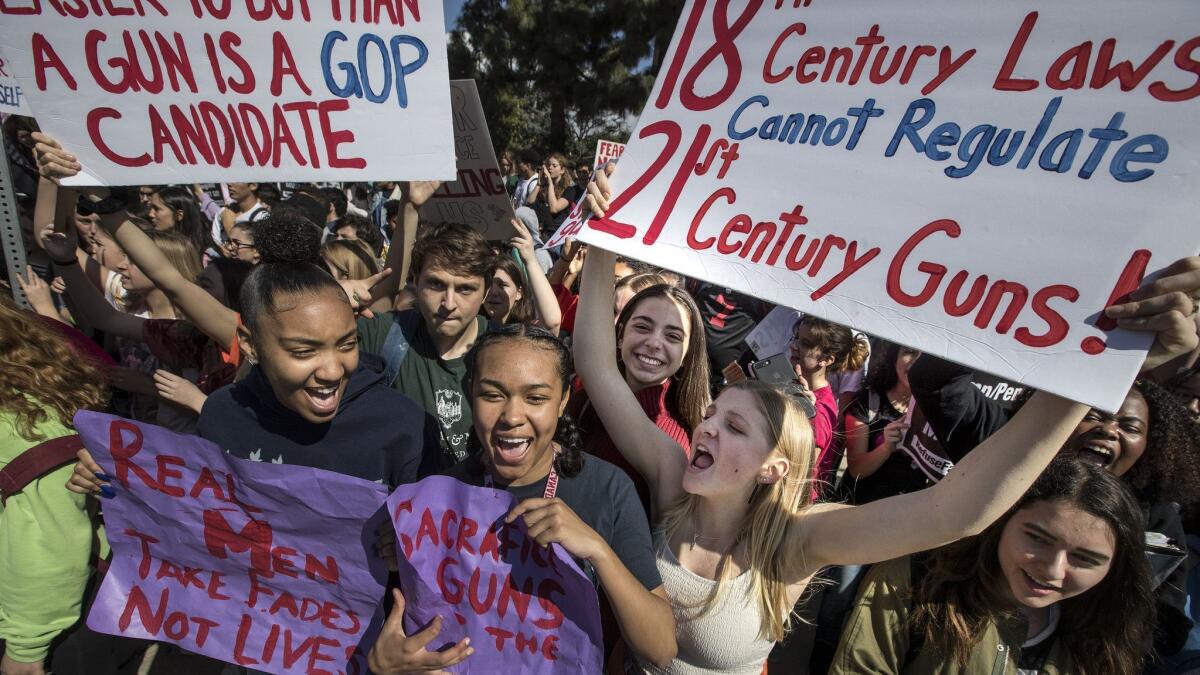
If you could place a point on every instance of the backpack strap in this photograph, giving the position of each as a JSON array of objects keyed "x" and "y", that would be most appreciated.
[
  {"x": 397, "y": 342},
  {"x": 36, "y": 462}
]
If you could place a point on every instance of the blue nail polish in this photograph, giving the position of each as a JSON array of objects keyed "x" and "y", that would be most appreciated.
[
  {"x": 104, "y": 477},
  {"x": 107, "y": 492}
]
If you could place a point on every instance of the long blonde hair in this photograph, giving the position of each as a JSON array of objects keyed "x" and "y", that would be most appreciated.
[{"x": 770, "y": 522}]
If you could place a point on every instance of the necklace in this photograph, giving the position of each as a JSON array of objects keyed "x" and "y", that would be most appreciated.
[{"x": 696, "y": 536}]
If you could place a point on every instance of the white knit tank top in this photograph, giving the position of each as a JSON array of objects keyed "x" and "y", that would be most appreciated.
[{"x": 725, "y": 641}]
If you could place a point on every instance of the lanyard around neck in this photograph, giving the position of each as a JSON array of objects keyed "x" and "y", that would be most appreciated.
[{"x": 551, "y": 482}]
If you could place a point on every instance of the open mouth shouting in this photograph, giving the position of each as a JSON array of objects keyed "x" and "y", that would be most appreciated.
[
  {"x": 701, "y": 458},
  {"x": 323, "y": 400},
  {"x": 1098, "y": 453},
  {"x": 511, "y": 449}
]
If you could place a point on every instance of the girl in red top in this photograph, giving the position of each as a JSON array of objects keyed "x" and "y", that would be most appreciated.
[{"x": 818, "y": 349}]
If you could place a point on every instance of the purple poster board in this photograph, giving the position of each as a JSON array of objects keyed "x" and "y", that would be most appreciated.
[
  {"x": 526, "y": 609},
  {"x": 268, "y": 566}
]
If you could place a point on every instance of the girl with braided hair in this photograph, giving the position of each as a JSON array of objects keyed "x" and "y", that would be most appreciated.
[{"x": 530, "y": 447}]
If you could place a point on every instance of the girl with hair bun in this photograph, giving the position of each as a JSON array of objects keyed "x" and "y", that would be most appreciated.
[
  {"x": 820, "y": 348},
  {"x": 530, "y": 447}
]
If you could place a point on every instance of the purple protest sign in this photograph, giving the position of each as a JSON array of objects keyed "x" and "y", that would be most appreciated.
[
  {"x": 268, "y": 566},
  {"x": 526, "y": 609}
]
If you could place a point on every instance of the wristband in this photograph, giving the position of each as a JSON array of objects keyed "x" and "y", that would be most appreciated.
[{"x": 72, "y": 261}]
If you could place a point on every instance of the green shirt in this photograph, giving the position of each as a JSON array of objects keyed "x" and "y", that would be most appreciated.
[
  {"x": 46, "y": 541},
  {"x": 440, "y": 386}
]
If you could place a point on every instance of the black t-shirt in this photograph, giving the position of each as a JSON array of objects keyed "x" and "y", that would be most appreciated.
[
  {"x": 729, "y": 316},
  {"x": 897, "y": 475},
  {"x": 604, "y": 498}
]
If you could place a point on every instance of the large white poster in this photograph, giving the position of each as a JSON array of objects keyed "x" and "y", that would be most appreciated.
[
  {"x": 233, "y": 90},
  {"x": 975, "y": 179}
]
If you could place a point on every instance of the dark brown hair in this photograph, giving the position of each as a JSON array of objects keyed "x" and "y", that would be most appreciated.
[
  {"x": 690, "y": 396},
  {"x": 1105, "y": 629},
  {"x": 849, "y": 352},
  {"x": 454, "y": 247}
]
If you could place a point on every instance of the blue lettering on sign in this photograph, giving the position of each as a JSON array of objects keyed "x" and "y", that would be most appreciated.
[
  {"x": 356, "y": 82},
  {"x": 10, "y": 95}
]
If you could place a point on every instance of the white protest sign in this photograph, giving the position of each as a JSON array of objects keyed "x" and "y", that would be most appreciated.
[
  {"x": 12, "y": 99},
  {"x": 607, "y": 151},
  {"x": 477, "y": 197},
  {"x": 204, "y": 91},
  {"x": 974, "y": 179}
]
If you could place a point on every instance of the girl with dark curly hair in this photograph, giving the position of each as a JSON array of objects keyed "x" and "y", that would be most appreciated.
[
  {"x": 530, "y": 447},
  {"x": 1057, "y": 585},
  {"x": 46, "y": 532}
]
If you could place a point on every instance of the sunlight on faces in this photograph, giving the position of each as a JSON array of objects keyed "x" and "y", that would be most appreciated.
[
  {"x": 804, "y": 353},
  {"x": 1114, "y": 441},
  {"x": 517, "y": 398},
  {"x": 132, "y": 278},
  {"x": 1051, "y": 550},
  {"x": 307, "y": 349},
  {"x": 554, "y": 168},
  {"x": 731, "y": 450},
  {"x": 448, "y": 301},
  {"x": 502, "y": 295},
  {"x": 904, "y": 361},
  {"x": 240, "y": 191},
  {"x": 654, "y": 341},
  {"x": 161, "y": 215}
]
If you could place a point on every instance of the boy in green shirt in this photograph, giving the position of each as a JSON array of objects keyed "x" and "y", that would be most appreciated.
[{"x": 425, "y": 348}]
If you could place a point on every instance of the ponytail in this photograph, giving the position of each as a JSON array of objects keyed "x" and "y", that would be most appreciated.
[
  {"x": 569, "y": 462},
  {"x": 856, "y": 358}
]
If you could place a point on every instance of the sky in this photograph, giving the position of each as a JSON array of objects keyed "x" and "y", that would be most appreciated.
[{"x": 451, "y": 9}]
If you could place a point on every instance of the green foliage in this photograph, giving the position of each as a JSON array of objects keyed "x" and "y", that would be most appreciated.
[{"x": 556, "y": 75}]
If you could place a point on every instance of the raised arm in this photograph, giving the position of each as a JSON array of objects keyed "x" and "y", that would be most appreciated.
[
  {"x": 399, "y": 257},
  {"x": 992, "y": 477},
  {"x": 657, "y": 457},
  {"x": 548, "y": 311},
  {"x": 87, "y": 302},
  {"x": 206, "y": 312}
]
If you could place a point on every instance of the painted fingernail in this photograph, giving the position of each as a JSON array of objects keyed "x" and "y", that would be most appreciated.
[
  {"x": 107, "y": 492},
  {"x": 467, "y": 641},
  {"x": 104, "y": 477}
]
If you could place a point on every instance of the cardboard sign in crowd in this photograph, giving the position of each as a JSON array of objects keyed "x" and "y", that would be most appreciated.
[
  {"x": 262, "y": 565},
  {"x": 974, "y": 179},
  {"x": 185, "y": 92},
  {"x": 477, "y": 196},
  {"x": 275, "y": 567},
  {"x": 527, "y": 609}
]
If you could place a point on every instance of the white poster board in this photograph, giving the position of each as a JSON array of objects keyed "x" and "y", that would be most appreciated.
[
  {"x": 12, "y": 99},
  {"x": 974, "y": 179},
  {"x": 477, "y": 197},
  {"x": 280, "y": 90}
]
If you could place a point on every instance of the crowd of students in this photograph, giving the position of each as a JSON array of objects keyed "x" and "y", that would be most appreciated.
[{"x": 731, "y": 524}]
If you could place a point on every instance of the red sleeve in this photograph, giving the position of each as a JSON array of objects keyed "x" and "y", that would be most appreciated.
[
  {"x": 826, "y": 418},
  {"x": 568, "y": 302},
  {"x": 176, "y": 344},
  {"x": 79, "y": 343}
]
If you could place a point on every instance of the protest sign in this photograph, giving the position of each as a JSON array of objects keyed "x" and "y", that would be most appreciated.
[
  {"x": 477, "y": 197},
  {"x": 572, "y": 225},
  {"x": 271, "y": 90},
  {"x": 526, "y": 609},
  {"x": 974, "y": 179},
  {"x": 607, "y": 151},
  {"x": 12, "y": 99},
  {"x": 262, "y": 565}
]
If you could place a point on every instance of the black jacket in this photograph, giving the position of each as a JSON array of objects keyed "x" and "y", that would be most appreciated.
[{"x": 378, "y": 434}]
